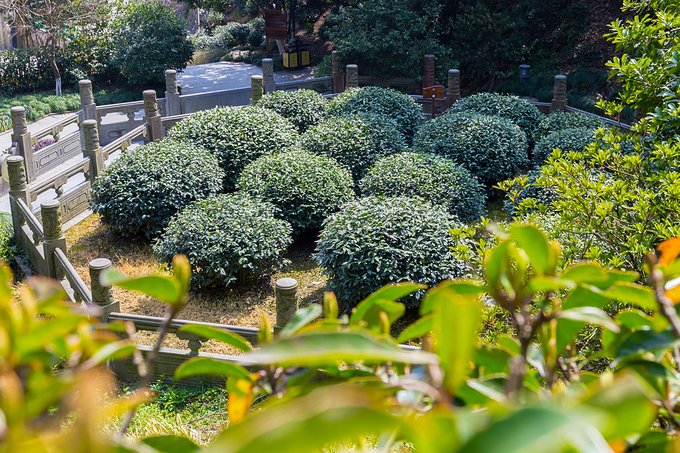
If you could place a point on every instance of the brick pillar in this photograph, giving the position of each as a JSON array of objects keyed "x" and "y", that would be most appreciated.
[
  {"x": 428, "y": 71},
  {"x": 559, "y": 100},
  {"x": 256, "y": 89},
  {"x": 21, "y": 140},
  {"x": 152, "y": 116},
  {"x": 338, "y": 76},
  {"x": 54, "y": 236},
  {"x": 172, "y": 101},
  {"x": 453, "y": 87},
  {"x": 352, "y": 76},
  {"x": 268, "y": 75}
]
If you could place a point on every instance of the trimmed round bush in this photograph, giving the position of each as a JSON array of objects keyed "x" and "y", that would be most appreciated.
[
  {"x": 236, "y": 135},
  {"x": 566, "y": 120},
  {"x": 229, "y": 238},
  {"x": 304, "y": 187},
  {"x": 140, "y": 191},
  {"x": 375, "y": 241},
  {"x": 399, "y": 107},
  {"x": 356, "y": 141},
  {"x": 513, "y": 108},
  {"x": 303, "y": 108},
  {"x": 435, "y": 179},
  {"x": 490, "y": 147},
  {"x": 575, "y": 139}
]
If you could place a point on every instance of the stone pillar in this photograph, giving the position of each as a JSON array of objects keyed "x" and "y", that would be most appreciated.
[
  {"x": 87, "y": 104},
  {"x": 152, "y": 116},
  {"x": 352, "y": 76},
  {"x": 256, "y": 89},
  {"x": 453, "y": 87},
  {"x": 21, "y": 140},
  {"x": 559, "y": 100},
  {"x": 54, "y": 237},
  {"x": 428, "y": 71},
  {"x": 18, "y": 189},
  {"x": 102, "y": 295},
  {"x": 172, "y": 101},
  {"x": 93, "y": 150},
  {"x": 338, "y": 76},
  {"x": 268, "y": 75},
  {"x": 286, "y": 300}
]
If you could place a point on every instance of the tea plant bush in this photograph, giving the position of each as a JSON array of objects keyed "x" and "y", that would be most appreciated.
[
  {"x": 303, "y": 108},
  {"x": 513, "y": 108},
  {"x": 575, "y": 139},
  {"x": 374, "y": 241},
  {"x": 490, "y": 147},
  {"x": 236, "y": 135},
  {"x": 558, "y": 121},
  {"x": 138, "y": 193},
  {"x": 399, "y": 107},
  {"x": 228, "y": 239},
  {"x": 435, "y": 179},
  {"x": 304, "y": 187},
  {"x": 356, "y": 141}
]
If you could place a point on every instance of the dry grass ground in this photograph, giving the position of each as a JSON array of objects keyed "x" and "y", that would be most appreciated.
[{"x": 236, "y": 306}]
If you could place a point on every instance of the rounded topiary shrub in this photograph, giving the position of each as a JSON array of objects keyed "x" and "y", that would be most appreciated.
[
  {"x": 236, "y": 135},
  {"x": 303, "y": 108},
  {"x": 566, "y": 120},
  {"x": 513, "y": 108},
  {"x": 304, "y": 187},
  {"x": 399, "y": 107},
  {"x": 490, "y": 147},
  {"x": 138, "y": 193},
  {"x": 575, "y": 139},
  {"x": 228, "y": 239},
  {"x": 375, "y": 241},
  {"x": 433, "y": 178},
  {"x": 356, "y": 141}
]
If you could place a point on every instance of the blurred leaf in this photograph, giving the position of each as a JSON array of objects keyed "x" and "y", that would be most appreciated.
[
  {"x": 170, "y": 444},
  {"x": 544, "y": 283},
  {"x": 585, "y": 273},
  {"x": 462, "y": 287},
  {"x": 181, "y": 269},
  {"x": 381, "y": 311},
  {"x": 537, "y": 247},
  {"x": 391, "y": 292},
  {"x": 241, "y": 396},
  {"x": 47, "y": 332},
  {"x": 221, "y": 335},
  {"x": 643, "y": 341},
  {"x": 330, "y": 306},
  {"x": 669, "y": 251},
  {"x": 112, "y": 351},
  {"x": 164, "y": 289},
  {"x": 590, "y": 315},
  {"x": 264, "y": 336},
  {"x": 631, "y": 293},
  {"x": 301, "y": 318},
  {"x": 418, "y": 329},
  {"x": 656, "y": 374},
  {"x": 202, "y": 366}
]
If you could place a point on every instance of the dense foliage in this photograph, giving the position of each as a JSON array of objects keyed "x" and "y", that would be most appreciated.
[
  {"x": 356, "y": 141},
  {"x": 437, "y": 180},
  {"x": 236, "y": 136},
  {"x": 513, "y": 108},
  {"x": 305, "y": 188},
  {"x": 399, "y": 107},
  {"x": 138, "y": 193},
  {"x": 148, "y": 39},
  {"x": 227, "y": 238},
  {"x": 558, "y": 121},
  {"x": 490, "y": 147},
  {"x": 303, "y": 108},
  {"x": 575, "y": 139},
  {"x": 374, "y": 241}
]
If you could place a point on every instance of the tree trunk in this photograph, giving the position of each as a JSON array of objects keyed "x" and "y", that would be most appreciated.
[{"x": 52, "y": 58}]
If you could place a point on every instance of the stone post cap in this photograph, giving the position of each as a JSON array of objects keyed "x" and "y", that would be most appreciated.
[
  {"x": 47, "y": 205},
  {"x": 18, "y": 109},
  {"x": 90, "y": 123},
  {"x": 454, "y": 71},
  {"x": 560, "y": 77},
  {"x": 15, "y": 160},
  {"x": 84, "y": 83},
  {"x": 100, "y": 263},
  {"x": 286, "y": 283},
  {"x": 149, "y": 93},
  {"x": 267, "y": 60},
  {"x": 429, "y": 56},
  {"x": 352, "y": 66},
  {"x": 170, "y": 72},
  {"x": 256, "y": 77}
]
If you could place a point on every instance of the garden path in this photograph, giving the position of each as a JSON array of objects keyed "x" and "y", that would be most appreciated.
[{"x": 194, "y": 79}]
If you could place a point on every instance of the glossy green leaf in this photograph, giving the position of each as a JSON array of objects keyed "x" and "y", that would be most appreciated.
[
  {"x": 221, "y": 335},
  {"x": 495, "y": 264},
  {"x": 632, "y": 293},
  {"x": 170, "y": 444},
  {"x": 164, "y": 289},
  {"x": 203, "y": 366},
  {"x": 585, "y": 273},
  {"x": 589, "y": 315},
  {"x": 537, "y": 247},
  {"x": 301, "y": 318},
  {"x": 322, "y": 348},
  {"x": 418, "y": 329}
]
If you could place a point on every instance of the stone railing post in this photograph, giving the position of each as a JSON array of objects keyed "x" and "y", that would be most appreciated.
[
  {"x": 428, "y": 71},
  {"x": 102, "y": 295},
  {"x": 352, "y": 76},
  {"x": 93, "y": 150},
  {"x": 152, "y": 116},
  {"x": 268, "y": 75},
  {"x": 338, "y": 76},
  {"x": 18, "y": 189},
  {"x": 286, "y": 300},
  {"x": 559, "y": 100},
  {"x": 453, "y": 87},
  {"x": 256, "y": 89},
  {"x": 21, "y": 140},
  {"x": 50, "y": 212},
  {"x": 172, "y": 101},
  {"x": 87, "y": 104}
]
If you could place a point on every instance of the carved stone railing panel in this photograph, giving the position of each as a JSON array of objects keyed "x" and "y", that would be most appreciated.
[{"x": 56, "y": 154}]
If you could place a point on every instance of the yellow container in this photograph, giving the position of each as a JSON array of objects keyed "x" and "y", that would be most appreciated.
[{"x": 290, "y": 60}]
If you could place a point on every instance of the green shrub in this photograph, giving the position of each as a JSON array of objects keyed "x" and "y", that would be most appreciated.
[
  {"x": 575, "y": 139},
  {"x": 375, "y": 241},
  {"x": 227, "y": 239},
  {"x": 513, "y": 108},
  {"x": 437, "y": 180},
  {"x": 303, "y": 108},
  {"x": 148, "y": 39},
  {"x": 306, "y": 188},
  {"x": 399, "y": 107},
  {"x": 256, "y": 35},
  {"x": 566, "y": 120},
  {"x": 6, "y": 233},
  {"x": 356, "y": 141},
  {"x": 138, "y": 193},
  {"x": 236, "y": 135},
  {"x": 24, "y": 70},
  {"x": 490, "y": 147}
]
